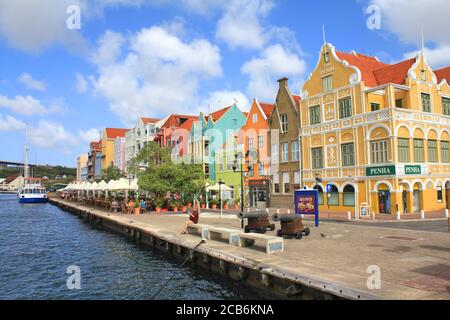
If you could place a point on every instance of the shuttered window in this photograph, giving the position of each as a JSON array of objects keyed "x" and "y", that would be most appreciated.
[
  {"x": 403, "y": 149},
  {"x": 345, "y": 108},
  {"x": 432, "y": 151},
  {"x": 446, "y": 106},
  {"x": 379, "y": 152},
  {"x": 426, "y": 102},
  {"x": 445, "y": 158},
  {"x": 348, "y": 154},
  {"x": 418, "y": 150},
  {"x": 314, "y": 115},
  {"x": 317, "y": 159}
]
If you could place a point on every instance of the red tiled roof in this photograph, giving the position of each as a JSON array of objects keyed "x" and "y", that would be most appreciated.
[
  {"x": 267, "y": 108},
  {"x": 149, "y": 120},
  {"x": 443, "y": 73},
  {"x": 366, "y": 64},
  {"x": 296, "y": 98},
  {"x": 394, "y": 73},
  {"x": 113, "y": 133},
  {"x": 216, "y": 115},
  {"x": 187, "y": 125},
  {"x": 174, "y": 120}
]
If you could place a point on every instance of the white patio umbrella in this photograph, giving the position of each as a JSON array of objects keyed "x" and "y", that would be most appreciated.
[
  {"x": 121, "y": 185},
  {"x": 216, "y": 187},
  {"x": 93, "y": 187},
  {"x": 134, "y": 185}
]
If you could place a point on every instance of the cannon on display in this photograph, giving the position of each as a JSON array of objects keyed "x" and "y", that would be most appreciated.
[
  {"x": 291, "y": 225},
  {"x": 257, "y": 221}
]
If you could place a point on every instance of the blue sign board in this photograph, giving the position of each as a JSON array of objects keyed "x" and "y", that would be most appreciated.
[
  {"x": 329, "y": 187},
  {"x": 306, "y": 201}
]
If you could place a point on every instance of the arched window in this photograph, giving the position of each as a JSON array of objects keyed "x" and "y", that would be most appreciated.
[
  {"x": 320, "y": 191},
  {"x": 349, "y": 196},
  {"x": 333, "y": 196}
]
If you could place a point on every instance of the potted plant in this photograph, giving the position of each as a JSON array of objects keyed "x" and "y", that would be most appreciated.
[
  {"x": 225, "y": 204},
  {"x": 236, "y": 203},
  {"x": 213, "y": 203},
  {"x": 137, "y": 209},
  {"x": 203, "y": 204},
  {"x": 184, "y": 206},
  {"x": 175, "y": 206},
  {"x": 158, "y": 204}
]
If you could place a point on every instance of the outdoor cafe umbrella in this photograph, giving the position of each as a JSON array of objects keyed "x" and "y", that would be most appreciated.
[
  {"x": 121, "y": 185},
  {"x": 134, "y": 185}
]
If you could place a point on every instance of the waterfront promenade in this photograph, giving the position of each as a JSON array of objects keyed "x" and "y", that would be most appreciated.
[{"x": 414, "y": 264}]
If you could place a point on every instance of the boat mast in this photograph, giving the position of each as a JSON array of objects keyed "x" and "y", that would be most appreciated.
[{"x": 26, "y": 168}]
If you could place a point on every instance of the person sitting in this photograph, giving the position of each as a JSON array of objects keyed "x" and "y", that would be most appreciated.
[
  {"x": 114, "y": 205},
  {"x": 143, "y": 206},
  {"x": 193, "y": 217},
  {"x": 130, "y": 206}
]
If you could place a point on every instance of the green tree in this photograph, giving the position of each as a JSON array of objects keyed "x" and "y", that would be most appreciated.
[
  {"x": 151, "y": 155},
  {"x": 111, "y": 173}
]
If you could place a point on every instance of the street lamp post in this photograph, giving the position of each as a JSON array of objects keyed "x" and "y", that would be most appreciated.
[
  {"x": 235, "y": 167},
  {"x": 220, "y": 197}
]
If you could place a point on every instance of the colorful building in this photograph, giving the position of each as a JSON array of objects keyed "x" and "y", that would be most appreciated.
[
  {"x": 144, "y": 131},
  {"x": 375, "y": 136},
  {"x": 210, "y": 134},
  {"x": 256, "y": 148},
  {"x": 108, "y": 136},
  {"x": 119, "y": 153},
  {"x": 81, "y": 163},
  {"x": 95, "y": 148},
  {"x": 285, "y": 148}
]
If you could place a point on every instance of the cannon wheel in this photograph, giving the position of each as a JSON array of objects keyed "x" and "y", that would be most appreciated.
[
  {"x": 272, "y": 227},
  {"x": 279, "y": 233},
  {"x": 299, "y": 235},
  {"x": 307, "y": 231},
  {"x": 262, "y": 230}
]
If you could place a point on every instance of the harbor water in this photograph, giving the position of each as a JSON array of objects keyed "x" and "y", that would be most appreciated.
[{"x": 39, "y": 243}]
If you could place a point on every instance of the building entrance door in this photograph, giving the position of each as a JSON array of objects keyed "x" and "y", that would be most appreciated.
[
  {"x": 416, "y": 195},
  {"x": 259, "y": 198},
  {"x": 405, "y": 201},
  {"x": 384, "y": 201}
]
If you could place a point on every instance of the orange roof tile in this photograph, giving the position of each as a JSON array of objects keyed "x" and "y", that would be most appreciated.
[
  {"x": 149, "y": 120},
  {"x": 187, "y": 125},
  {"x": 174, "y": 120},
  {"x": 443, "y": 73},
  {"x": 394, "y": 73},
  {"x": 267, "y": 108},
  {"x": 113, "y": 133},
  {"x": 366, "y": 64},
  {"x": 216, "y": 115}
]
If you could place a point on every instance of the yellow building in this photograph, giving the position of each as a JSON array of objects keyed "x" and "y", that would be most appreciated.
[
  {"x": 109, "y": 135},
  {"x": 376, "y": 135}
]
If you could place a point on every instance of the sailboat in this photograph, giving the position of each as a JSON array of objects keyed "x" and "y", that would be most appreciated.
[{"x": 32, "y": 190}]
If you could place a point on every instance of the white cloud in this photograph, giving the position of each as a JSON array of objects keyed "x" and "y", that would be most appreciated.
[
  {"x": 273, "y": 63},
  {"x": 28, "y": 105},
  {"x": 406, "y": 19},
  {"x": 35, "y": 25},
  {"x": 108, "y": 49},
  {"x": 158, "y": 73},
  {"x": 220, "y": 99},
  {"x": 53, "y": 136},
  {"x": 89, "y": 135},
  {"x": 240, "y": 25},
  {"x": 82, "y": 85},
  {"x": 436, "y": 57},
  {"x": 8, "y": 123},
  {"x": 50, "y": 135},
  {"x": 28, "y": 81}
]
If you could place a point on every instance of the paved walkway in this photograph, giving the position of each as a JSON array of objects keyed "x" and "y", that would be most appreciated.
[{"x": 414, "y": 264}]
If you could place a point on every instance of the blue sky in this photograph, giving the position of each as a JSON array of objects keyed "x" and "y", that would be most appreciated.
[{"x": 134, "y": 58}]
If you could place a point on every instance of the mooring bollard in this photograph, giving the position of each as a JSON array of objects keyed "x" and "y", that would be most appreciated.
[
  {"x": 446, "y": 213},
  {"x": 289, "y": 211},
  {"x": 398, "y": 215},
  {"x": 349, "y": 216},
  {"x": 422, "y": 214}
]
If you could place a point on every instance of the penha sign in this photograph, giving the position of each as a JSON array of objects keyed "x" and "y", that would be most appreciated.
[{"x": 380, "y": 171}]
